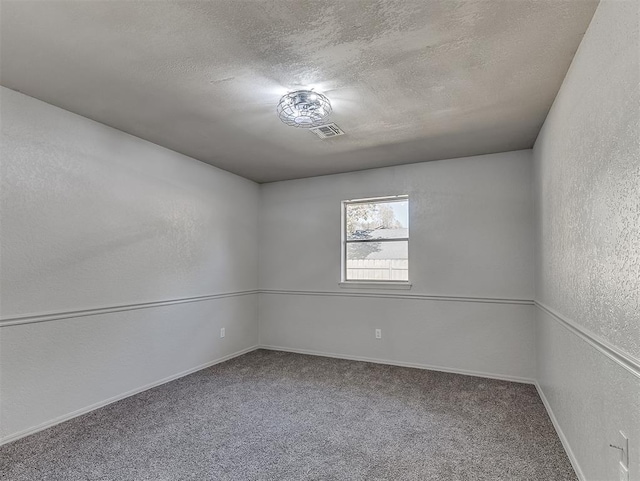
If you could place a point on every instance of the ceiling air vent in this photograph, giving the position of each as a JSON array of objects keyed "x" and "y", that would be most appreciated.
[{"x": 326, "y": 131}]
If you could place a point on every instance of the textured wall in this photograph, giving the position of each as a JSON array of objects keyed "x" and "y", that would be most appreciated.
[
  {"x": 95, "y": 218},
  {"x": 471, "y": 226},
  {"x": 587, "y": 189},
  {"x": 588, "y": 161},
  {"x": 591, "y": 397},
  {"x": 471, "y": 235}
]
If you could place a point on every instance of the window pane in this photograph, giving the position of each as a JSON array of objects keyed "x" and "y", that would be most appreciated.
[
  {"x": 377, "y": 220},
  {"x": 378, "y": 261}
]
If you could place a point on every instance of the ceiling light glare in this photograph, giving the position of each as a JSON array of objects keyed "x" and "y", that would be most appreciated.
[{"x": 304, "y": 108}]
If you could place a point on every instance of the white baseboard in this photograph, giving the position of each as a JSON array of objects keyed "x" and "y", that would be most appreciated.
[
  {"x": 501, "y": 377},
  {"x": 92, "y": 407},
  {"x": 563, "y": 438},
  {"x": 545, "y": 402}
]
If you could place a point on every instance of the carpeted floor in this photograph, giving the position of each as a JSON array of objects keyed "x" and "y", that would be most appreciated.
[{"x": 280, "y": 416}]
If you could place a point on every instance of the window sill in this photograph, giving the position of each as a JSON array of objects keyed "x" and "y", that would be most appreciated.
[{"x": 374, "y": 285}]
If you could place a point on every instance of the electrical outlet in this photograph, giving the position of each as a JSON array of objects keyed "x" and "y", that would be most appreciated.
[
  {"x": 378, "y": 333},
  {"x": 222, "y": 333}
]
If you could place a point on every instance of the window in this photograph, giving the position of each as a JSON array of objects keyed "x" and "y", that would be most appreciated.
[{"x": 375, "y": 240}]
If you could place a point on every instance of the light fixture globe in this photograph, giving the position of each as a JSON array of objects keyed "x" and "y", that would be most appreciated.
[{"x": 304, "y": 108}]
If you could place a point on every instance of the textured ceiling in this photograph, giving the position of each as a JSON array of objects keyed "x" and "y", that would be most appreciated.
[{"x": 409, "y": 80}]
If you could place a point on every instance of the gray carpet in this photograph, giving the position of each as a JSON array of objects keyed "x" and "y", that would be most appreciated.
[{"x": 280, "y": 416}]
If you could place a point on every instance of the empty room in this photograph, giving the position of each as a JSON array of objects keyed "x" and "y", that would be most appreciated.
[{"x": 320, "y": 240}]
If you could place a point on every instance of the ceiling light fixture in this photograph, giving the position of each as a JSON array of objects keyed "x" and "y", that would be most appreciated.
[{"x": 304, "y": 108}]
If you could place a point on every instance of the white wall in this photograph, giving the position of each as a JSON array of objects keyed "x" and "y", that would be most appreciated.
[
  {"x": 587, "y": 189},
  {"x": 470, "y": 262},
  {"x": 121, "y": 260},
  {"x": 106, "y": 241}
]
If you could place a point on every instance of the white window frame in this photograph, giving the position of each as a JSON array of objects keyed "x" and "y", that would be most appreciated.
[{"x": 372, "y": 283}]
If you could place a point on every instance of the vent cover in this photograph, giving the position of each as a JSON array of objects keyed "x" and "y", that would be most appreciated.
[{"x": 327, "y": 130}]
